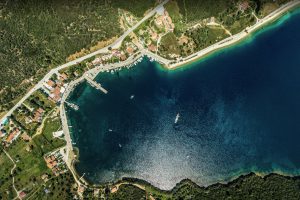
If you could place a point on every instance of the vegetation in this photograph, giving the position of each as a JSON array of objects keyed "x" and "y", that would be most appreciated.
[
  {"x": 251, "y": 186},
  {"x": 136, "y": 7},
  {"x": 61, "y": 187},
  {"x": 45, "y": 141},
  {"x": 27, "y": 111},
  {"x": 6, "y": 189},
  {"x": 193, "y": 11},
  {"x": 128, "y": 192},
  {"x": 52, "y": 125},
  {"x": 169, "y": 45}
]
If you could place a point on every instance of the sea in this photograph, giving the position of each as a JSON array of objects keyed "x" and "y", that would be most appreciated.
[{"x": 233, "y": 112}]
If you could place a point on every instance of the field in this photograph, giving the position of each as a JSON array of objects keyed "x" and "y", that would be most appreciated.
[{"x": 61, "y": 187}]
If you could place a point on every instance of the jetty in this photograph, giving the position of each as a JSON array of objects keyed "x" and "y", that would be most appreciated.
[{"x": 94, "y": 84}]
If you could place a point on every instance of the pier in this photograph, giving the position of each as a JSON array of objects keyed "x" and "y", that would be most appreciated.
[{"x": 96, "y": 85}]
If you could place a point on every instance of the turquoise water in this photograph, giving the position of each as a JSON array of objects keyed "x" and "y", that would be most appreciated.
[{"x": 239, "y": 112}]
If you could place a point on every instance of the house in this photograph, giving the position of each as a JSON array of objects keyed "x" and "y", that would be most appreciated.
[
  {"x": 38, "y": 115},
  {"x": 55, "y": 94},
  {"x": 13, "y": 135},
  {"x": 130, "y": 50},
  {"x": 49, "y": 85},
  {"x": 152, "y": 48}
]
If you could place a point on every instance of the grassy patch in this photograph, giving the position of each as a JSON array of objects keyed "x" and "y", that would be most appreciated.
[
  {"x": 6, "y": 190},
  {"x": 169, "y": 44},
  {"x": 46, "y": 141}
]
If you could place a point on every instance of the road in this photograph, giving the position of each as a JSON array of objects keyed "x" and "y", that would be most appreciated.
[
  {"x": 116, "y": 44},
  {"x": 239, "y": 36}
]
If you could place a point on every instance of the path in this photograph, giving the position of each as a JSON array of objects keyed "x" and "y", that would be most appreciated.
[{"x": 12, "y": 172}]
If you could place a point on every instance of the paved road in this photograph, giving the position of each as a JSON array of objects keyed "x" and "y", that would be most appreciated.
[{"x": 103, "y": 50}]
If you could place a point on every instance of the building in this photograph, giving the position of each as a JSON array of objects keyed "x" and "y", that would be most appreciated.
[
  {"x": 152, "y": 48},
  {"x": 22, "y": 195},
  {"x": 130, "y": 50},
  {"x": 38, "y": 115},
  {"x": 50, "y": 85},
  {"x": 13, "y": 135}
]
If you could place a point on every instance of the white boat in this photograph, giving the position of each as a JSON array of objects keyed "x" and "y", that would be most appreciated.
[
  {"x": 177, "y": 118},
  {"x": 132, "y": 96},
  {"x": 120, "y": 145},
  {"x": 110, "y": 130}
]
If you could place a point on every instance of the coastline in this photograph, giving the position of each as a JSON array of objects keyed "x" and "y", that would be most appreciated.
[
  {"x": 224, "y": 44},
  {"x": 71, "y": 158},
  {"x": 148, "y": 187},
  {"x": 237, "y": 38}
]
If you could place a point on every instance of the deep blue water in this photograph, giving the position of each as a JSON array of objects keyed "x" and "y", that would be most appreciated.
[{"x": 239, "y": 112}]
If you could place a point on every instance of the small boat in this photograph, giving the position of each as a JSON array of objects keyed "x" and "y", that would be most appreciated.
[
  {"x": 110, "y": 130},
  {"x": 120, "y": 145},
  {"x": 132, "y": 96},
  {"x": 177, "y": 118}
]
